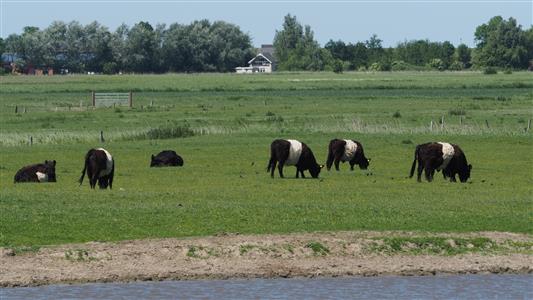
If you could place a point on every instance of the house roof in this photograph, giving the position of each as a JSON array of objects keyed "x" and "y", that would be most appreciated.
[{"x": 267, "y": 56}]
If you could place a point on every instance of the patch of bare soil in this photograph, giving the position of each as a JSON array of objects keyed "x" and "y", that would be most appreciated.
[{"x": 268, "y": 256}]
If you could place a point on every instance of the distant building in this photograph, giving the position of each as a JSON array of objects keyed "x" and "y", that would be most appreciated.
[{"x": 263, "y": 62}]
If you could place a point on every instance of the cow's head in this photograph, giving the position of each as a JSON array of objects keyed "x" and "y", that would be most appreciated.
[
  {"x": 364, "y": 163},
  {"x": 154, "y": 162},
  {"x": 465, "y": 174},
  {"x": 50, "y": 170},
  {"x": 315, "y": 170}
]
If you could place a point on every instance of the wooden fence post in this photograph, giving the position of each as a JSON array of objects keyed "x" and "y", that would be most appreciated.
[
  {"x": 487, "y": 123},
  {"x": 102, "y": 136},
  {"x": 442, "y": 123},
  {"x": 431, "y": 125},
  {"x": 130, "y": 99},
  {"x": 31, "y": 140},
  {"x": 528, "y": 125},
  {"x": 93, "y": 98},
  {"x": 16, "y": 109}
]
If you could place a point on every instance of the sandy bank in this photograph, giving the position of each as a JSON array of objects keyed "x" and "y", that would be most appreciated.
[{"x": 251, "y": 256}]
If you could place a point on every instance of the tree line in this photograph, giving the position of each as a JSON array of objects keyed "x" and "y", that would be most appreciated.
[
  {"x": 499, "y": 43},
  {"x": 202, "y": 46}
]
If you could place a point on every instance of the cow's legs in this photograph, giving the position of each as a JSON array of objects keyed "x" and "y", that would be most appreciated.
[
  {"x": 351, "y": 166},
  {"x": 272, "y": 168},
  {"x": 337, "y": 161},
  {"x": 302, "y": 172},
  {"x": 452, "y": 177},
  {"x": 280, "y": 168},
  {"x": 428, "y": 172},
  {"x": 419, "y": 172},
  {"x": 297, "y": 172}
]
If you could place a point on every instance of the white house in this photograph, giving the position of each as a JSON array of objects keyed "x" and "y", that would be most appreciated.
[{"x": 263, "y": 62}]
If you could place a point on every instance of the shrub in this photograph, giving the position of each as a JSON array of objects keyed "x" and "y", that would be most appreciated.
[
  {"x": 490, "y": 71},
  {"x": 508, "y": 71},
  {"x": 437, "y": 63},
  {"x": 110, "y": 68},
  {"x": 456, "y": 66},
  {"x": 377, "y": 67},
  {"x": 400, "y": 65},
  {"x": 457, "y": 112},
  {"x": 397, "y": 115},
  {"x": 337, "y": 66}
]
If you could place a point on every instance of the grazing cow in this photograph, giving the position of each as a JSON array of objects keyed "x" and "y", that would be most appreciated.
[
  {"x": 441, "y": 156},
  {"x": 346, "y": 151},
  {"x": 292, "y": 153},
  {"x": 37, "y": 173},
  {"x": 100, "y": 167},
  {"x": 166, "y": 158}
]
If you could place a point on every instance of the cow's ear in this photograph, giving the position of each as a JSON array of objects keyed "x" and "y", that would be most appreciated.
[
  {"x": 54, "y": 161},
  {"x": 321, "y": 166},
  {"x": 153, "y": 157},
  {"x": 369, "y": 159},
  {"x": 469, "y": 167},
  {"x": 45, "y": 162}
]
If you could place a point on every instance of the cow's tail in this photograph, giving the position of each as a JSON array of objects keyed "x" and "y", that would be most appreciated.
[
  {"x": 413, "y": 166},
  {"x": 85, "y": 166},
  {"x": 271, "y": 161}
]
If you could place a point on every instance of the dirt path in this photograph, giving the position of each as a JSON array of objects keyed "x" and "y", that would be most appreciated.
[{"x": 251, "y": 256}]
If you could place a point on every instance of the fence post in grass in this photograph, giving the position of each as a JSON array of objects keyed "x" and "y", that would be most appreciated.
[
  {"x": 487, "y": 123},
  {"x": 130, "y": 99},
  {"x": 31, "y": 140},
  {"x": 102, "y": 136},
  {"x": 431, "y": 125},
  {"x": 16, "y": 109},
  {"x": 461, "y": 120},
  {"x": 151, "y": 103},
  {"x": 93, "y": 97},
  {"x": 528, "y": 125},
  {"x": 24, "y": 109},
  {"x": 442, "y": 123}
]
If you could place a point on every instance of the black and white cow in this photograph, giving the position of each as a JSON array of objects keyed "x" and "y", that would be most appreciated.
[
  {"x": 292, "y": 153},
  {"x": 346, "y": 151},
  {"x": 166, "y": 158},
  {"x": 37, "y": 173},
  {"x": 441, "y": 156},
  {"x": 100, "y": 167}
]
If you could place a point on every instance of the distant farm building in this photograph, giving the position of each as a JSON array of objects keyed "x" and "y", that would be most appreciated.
[{"x": 263, "y": 62}]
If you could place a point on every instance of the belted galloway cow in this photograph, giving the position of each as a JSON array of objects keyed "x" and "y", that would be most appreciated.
[
  {"x": 292, "y": 153},
  {"x": 166, "y": 158},
  {"x": 440, "y": 156},
  {"x": 45, "y": 172},
  {"x": 346, "y": 151},
  {"x": 100, "y": 167}
]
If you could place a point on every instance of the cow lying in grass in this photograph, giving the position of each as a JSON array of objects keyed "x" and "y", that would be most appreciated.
[
  {"x": 166, "y": 158},
  {"x": 292, "y": 153},
  {"x": 346, "y": 151},
  {"x": 37, "y": 173},
  {"x": 100, "y": 168},
  {"x": 441, "y": 156}
]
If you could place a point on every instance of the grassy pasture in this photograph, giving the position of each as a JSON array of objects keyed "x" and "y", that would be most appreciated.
[{"x": 224, "y": 187}]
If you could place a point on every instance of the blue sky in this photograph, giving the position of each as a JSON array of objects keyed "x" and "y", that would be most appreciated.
[{"x": 348, "y": 20}]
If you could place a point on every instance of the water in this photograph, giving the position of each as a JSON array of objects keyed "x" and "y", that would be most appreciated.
[{"x": 392, "y": 287}]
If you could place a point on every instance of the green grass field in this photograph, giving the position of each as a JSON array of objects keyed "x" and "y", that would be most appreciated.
[{"x": 231, "y": 120}]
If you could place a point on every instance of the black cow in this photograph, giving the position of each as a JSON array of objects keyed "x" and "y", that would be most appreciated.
[
  {"x": 37, "y": 173},
  {"x": 100, "y": 167},
  {"x": 346, "y": 151},
  {"x": 292, "y": 153},
  {"x": 166, "y": 158},
  {"x": 441, "y": 156}
]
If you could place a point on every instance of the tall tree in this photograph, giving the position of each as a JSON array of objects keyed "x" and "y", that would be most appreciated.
[
  {"x": 463, "y": 55},
  {"x": 501, "y": 43}
]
